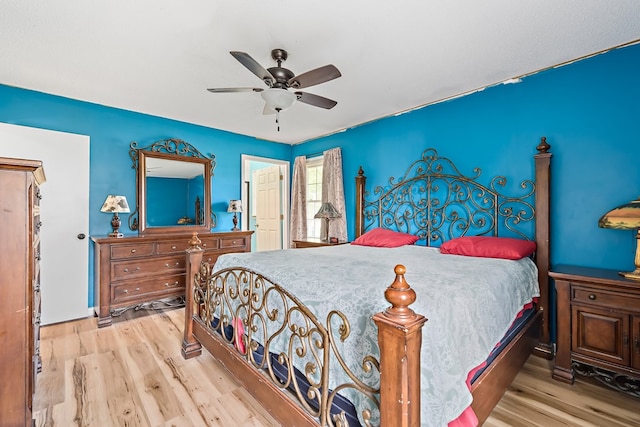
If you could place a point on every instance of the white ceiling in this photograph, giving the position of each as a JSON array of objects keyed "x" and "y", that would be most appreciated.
[{"x": 159, "y": 56}]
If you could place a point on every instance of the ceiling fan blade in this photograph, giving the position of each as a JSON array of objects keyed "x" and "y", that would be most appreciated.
[
  {"x": 314, "y": 77},
  {"x": 316, "y": 100},
  {"x": 235, "y": 89},
  {"x": 253, "y": 66}
]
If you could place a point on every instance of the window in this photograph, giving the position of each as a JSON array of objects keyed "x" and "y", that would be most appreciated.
[{"x": 314, "y": 195}]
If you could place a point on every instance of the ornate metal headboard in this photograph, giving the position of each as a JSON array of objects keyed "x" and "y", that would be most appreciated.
[{"x": 436, "y": 202}]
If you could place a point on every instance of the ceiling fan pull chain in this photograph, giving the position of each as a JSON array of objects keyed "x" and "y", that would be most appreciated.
[{"x": 278, "y": 118}]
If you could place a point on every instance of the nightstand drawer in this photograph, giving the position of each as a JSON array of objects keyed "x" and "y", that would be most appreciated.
[{"x": 589, "y": 295}]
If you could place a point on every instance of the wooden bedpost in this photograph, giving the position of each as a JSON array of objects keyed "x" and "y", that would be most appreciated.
[
  {"x": 360, "y": 182},
  {"x": 399, "y": 339},
  {"x": 190, "y": 346},
  {"x": 543, "y": 254}
]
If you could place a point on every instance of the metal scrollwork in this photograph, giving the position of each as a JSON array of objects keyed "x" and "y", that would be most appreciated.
[
  {"x": 276, "y": 333},
  {"x": 436, "y": 202},
  {"x": 612, "y": 380}
]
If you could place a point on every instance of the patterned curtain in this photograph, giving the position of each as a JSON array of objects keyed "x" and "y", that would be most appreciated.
[
  {"x": 298, "y": 226},
  {"x": 333, "y": 192}
]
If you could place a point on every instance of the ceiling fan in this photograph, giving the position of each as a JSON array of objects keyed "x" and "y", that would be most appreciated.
[{"x": 279, "y": 80}]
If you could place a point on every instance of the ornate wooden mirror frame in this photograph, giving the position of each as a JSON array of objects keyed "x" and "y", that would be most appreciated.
[{"x": 179, "y": 155}]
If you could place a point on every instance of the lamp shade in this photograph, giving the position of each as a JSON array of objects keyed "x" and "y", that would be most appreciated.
[
  {"x": 327, "y": 211},
  {"x": 278, "y": 99},
  {"x": 235, "y": 206},
  {"x": 115, "y": 204},
  {"x": 624, "y": 217}
]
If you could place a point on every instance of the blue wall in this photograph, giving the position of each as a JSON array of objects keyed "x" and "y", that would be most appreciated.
[
  {"x": 588, "y": 110},
  {"x": 112, "y": 130},
  {"x": 590, "y": 113}
]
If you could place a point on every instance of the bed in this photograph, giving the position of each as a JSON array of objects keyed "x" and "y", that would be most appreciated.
[{"x": 305, "y": 349}]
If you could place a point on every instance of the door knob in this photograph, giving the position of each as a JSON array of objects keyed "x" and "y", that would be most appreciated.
[{"x": 81, "y": 236}]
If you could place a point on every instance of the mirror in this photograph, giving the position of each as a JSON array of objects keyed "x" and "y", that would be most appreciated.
[{"x": 173, "y": 188}]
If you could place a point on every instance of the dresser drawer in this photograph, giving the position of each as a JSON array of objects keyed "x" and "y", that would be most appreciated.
[
  {"x": 210, "y": 243},
  {"x": 127, "y": 251},
  {"x": 233, "y": 242},
  {"x": 589, "y": 295},
  {"x": 144, "y": 289},
  {"x": 173, "y": 246},
  {"x": 123, "y": 270}
]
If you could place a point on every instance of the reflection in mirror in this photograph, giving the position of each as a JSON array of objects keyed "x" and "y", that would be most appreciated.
[
  {"x": 173, "y": 188},
  {"x": 174, "y": 192}
]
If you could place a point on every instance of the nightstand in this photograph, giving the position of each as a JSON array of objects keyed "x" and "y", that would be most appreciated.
[
  {"x": 598, "y": 327},
  {"x": 314, "y": 243}
]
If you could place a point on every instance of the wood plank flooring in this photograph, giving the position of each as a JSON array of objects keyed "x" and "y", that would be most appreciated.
[{"x": 132, "y": 374}]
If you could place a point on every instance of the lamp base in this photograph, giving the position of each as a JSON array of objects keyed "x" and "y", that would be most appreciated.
[{"x": 633, "y": 275}]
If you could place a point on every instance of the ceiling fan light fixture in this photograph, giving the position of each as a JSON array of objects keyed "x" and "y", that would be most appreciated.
[{"x": 278, "y": 99}]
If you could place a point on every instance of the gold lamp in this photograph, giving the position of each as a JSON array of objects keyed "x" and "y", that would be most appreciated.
[
  {"x": 626, "y": 217},
  {"x": 115, "y": 204}
]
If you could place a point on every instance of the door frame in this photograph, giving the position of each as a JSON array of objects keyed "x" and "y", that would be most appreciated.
[{"x": 284, "y": 165}]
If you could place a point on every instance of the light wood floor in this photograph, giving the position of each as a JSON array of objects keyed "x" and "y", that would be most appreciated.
[{"x": 132, "y": 374}]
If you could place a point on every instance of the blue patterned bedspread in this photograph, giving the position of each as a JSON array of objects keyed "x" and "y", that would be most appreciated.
[{"x": 469, "y": 303}]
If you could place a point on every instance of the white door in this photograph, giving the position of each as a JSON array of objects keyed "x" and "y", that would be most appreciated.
[
  {"x": 268, "y": 217},
  {"x": 64, "y": 214}
]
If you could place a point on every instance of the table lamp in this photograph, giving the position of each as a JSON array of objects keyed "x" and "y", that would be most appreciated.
[
  {"x": 625, "y": 217},
  {"x": 115, "y": 204},
  {"x": 235, "y": 206},
  {"x": 327, "y": 212}
]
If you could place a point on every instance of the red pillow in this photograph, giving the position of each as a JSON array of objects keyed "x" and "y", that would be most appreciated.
[
  {"x": 383, "y": 238},
  {"x": 489, "y": 247}
]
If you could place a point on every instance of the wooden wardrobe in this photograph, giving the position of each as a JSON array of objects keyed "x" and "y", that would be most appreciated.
[{"x": 19, "y": 287}]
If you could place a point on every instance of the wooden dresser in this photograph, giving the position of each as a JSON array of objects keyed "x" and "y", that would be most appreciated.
[
  {"x": 598, "y": 326},
  {"x": 19, "y": 287},
  {"x": 132, "y": 272}
]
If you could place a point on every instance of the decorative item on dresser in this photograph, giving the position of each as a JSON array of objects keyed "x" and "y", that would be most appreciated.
[
  {"x": 20, "y": 286},
  {"x": 626, "y": 217},
  {"x": 137, "y": 272},
  {"x": 115, "y": 205},
  {"x": 598, "y": 327},
  {"x": 235, "y": 206}
]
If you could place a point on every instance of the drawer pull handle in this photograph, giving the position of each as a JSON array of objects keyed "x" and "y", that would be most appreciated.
[
  {"x": 173, "y": 248},
  {"x": 592, "y": 297},
  {"x": 171, "y": 284},
  {"x": 204, "y": 245},
  {"x": 234, "y": 242},
  {"x": 133, "y": 251},
  {"x": 126, "y": 270},
  {"x": 177, "y": 264}
]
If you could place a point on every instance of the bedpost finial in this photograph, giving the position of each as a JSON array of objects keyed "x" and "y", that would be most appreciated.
[
  {"x": 543, "y": 147},
  {"x": 360, "y": 171},
  {"x": 195, "y": 241},
  {"x": 400, "y": 295}
]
